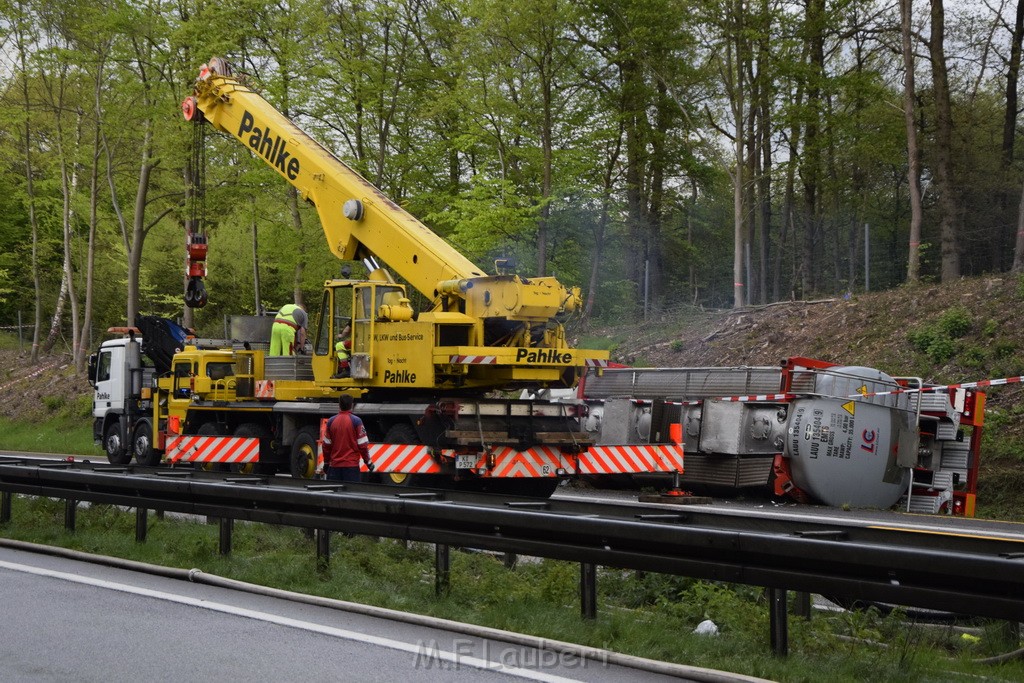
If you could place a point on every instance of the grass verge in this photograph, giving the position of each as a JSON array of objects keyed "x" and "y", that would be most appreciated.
[
  {"x": 648, "y": 615},
  {"x": 56, "y": 435}
]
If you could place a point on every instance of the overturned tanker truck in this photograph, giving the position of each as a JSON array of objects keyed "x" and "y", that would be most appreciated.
[{"x": 811, "y": 430}]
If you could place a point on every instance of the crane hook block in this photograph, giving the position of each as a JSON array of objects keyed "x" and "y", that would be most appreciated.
[{"x": 195, "y": 293}]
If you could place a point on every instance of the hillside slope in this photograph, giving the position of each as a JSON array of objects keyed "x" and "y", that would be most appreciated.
[{"x": 965, "y": 331}]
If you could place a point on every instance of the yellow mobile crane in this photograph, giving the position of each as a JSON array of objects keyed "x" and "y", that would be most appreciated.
[
  {"x": 481, "y": 331},
  {"x": 423, "y": 378}
]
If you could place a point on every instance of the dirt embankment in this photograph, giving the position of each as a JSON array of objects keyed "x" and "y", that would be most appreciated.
[{"x": 35, "y": 392}]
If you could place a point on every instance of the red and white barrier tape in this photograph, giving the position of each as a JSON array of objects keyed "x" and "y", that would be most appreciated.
[{"x": 981, "y": 384}]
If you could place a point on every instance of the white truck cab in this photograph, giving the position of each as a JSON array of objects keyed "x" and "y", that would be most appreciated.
[{"x": 121, "y": 405}]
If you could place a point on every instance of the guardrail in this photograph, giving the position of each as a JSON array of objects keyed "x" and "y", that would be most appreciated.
[{"x": 971, "y": 575}]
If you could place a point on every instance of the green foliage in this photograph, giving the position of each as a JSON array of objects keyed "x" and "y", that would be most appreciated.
[
  {"x": 677, "y": 345},
  {"x": 54, "y": 403},
  {"x": 974, "y": 357},
  {"x": 956, "y": 322},
  {"x": 938, "y": 340},
  {"x": 1003, "y": 348},
  {"x": 600, "y": 343}
]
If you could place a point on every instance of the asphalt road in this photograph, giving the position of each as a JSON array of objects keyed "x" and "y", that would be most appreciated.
[{"x": 63, "y": 620}]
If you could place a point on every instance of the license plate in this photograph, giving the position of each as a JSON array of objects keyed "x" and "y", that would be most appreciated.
[{"x": 465, "y": 462}]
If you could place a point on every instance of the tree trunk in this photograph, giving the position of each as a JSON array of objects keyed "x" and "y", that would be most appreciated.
[
  {"x": 1012, "y": 74},
  {"x": 1018, "y": 252},
  {"x": 811, "y": 167},
  {"x": 258, "y": 303},
  {"x": 85, "y": 338},
  {"x": 20, "y": 39},
  {"x": 300, "y": 264},
  {"x": 602, "y": 224},
  {"x": 1010, "y": 124},
  {"x": 913, "y": 153},
  {"x": 68, "y": 186},
  {"x": 734, "y": 72},
  {"x": 944, "y": 183}
]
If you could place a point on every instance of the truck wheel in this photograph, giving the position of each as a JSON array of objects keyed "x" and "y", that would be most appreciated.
[
  {"x": 253, "y": 431},
  {"x": 303, "y": 457},
  {"x": 114, "y": 445},
  {"x": 402, "y": 433},
  {"x": 142, "y": 445}
]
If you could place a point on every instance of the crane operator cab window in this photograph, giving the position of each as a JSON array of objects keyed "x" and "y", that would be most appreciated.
[{"x": 334, "y": 329}]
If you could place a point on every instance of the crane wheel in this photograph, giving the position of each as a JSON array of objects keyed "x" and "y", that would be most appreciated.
[
  {"x": 211, "y": 429},
  {"x": 402, "y": 433},
  {"x": 254, "y": 431},
  {"x": 303, "y": 456}
]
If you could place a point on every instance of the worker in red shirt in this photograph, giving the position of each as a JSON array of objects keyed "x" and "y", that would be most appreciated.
[{"x": 345, "y": 442}]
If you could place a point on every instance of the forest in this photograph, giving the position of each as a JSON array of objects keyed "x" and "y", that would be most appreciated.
[{"x": 661, "y": 154}]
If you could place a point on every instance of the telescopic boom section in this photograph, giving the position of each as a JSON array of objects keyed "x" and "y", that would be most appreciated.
[{"x": 359, "y": 221}]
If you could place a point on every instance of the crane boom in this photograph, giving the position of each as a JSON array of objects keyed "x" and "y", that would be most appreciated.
[{"x": 358, "y": 219}]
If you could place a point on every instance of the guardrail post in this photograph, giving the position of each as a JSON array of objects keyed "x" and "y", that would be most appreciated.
[
  {"x": 140, "y": 524},
  {"x": 70, "y": 507},
  {"x": 5, "y": 507},
  {"x": 588, "y": 590},
  {"x": 779, "y": 621},
  {"x": 511, "y": 559},
  {"x": 442, "y": 569},
  {"x": 323, "y": 548},
  {"x": 226, "y": 525},
  {"x": 802, "y": 604}
]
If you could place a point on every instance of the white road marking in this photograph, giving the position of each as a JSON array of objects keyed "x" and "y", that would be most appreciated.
[{"x": 420, "y": 650}]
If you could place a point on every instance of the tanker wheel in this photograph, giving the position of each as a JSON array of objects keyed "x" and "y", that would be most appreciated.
[
  {"x": 402, "y": 432},
  {"x": 114, "y": 445},
  {"x": 211, "y": 429},
  {"x": 250, "y": 430},
  {"x": 303, "y": 457},
  {"x": 142, "y": 445}
]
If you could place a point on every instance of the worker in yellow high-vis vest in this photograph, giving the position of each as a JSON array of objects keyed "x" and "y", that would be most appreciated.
[{"x": 289, "y": 331}]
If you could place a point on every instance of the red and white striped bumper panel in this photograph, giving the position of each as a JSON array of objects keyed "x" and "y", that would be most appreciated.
[
  {"x": 635, "y": 459},
  {"x": 224, "y": 449},
  {"x": 397, "y": 457},
  {"x": 539, "y": 461}
]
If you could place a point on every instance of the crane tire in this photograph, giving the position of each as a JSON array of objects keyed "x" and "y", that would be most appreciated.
[
  {"x": 403, "y": 432},
  {"x": 302, "y": 462},
  {"x": 253, "y": 431},
  {"x": 211, "y": 429}
]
